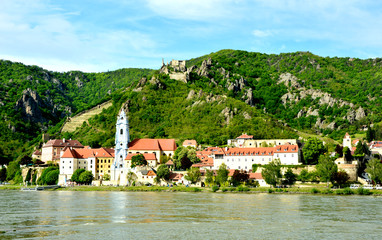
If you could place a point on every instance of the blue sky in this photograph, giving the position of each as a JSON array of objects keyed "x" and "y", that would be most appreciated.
[{"x": 97, "y": 36}]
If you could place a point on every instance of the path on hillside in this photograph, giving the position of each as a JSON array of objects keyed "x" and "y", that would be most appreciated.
[{"x": 76, "y": 121}]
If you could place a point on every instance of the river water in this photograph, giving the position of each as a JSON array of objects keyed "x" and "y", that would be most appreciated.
[{"x": 152, "y": 215}]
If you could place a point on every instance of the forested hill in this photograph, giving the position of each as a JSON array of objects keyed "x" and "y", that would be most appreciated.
[
  {"x": 33, "y": 100},
  {"x": 215, "y": 97}
]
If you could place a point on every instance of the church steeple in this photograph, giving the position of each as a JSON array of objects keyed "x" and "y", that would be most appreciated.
[{"x": 122, "y": 139}]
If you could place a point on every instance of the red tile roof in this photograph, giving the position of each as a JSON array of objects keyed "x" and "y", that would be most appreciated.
[
  {"x": 63, "y": 143},
  {"x": 205, "y": 161},
  {"x": 212, "y": 150},
  {"x": 37, "y": 152},
  {"x": 190, "y": 143},
  {"x": 83, "y": 153},
  {"x": 175, "y": 176},
  {"x": 151, "y": 173},
  {"x": 148, "y": 156},
  {"x": 170, "y": 163},
  {"x": 245, "y": 136},
  {"x": 263, "y": 151},
  {"x": 347, "y": 135},
  {"x": 255, "y": 175},
  {"x": 153, "y": 144}
]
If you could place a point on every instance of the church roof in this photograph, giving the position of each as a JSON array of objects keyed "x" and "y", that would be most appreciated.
[
  {"x": 83, "y": 153},
  {"x": 153, "y": 144},
  {"x": 147, "y": 156},
  {"x": 63, "y": 143}
]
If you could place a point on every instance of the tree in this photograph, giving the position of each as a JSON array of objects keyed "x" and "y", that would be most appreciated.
[
  {"x": 239, "y": 177},
  {"x": 290, "y": 177},
  {"x": 374, "y": 169},
  {"x": 12, "y": 169},
  {"x": 138, "y": 160},
  {"x": 341, "y": 177},
  {"x": 326, "y": 168},
  {"x": 209, "y": 177},
  {"x": 76, "y": 175},
  {"x": 106, "y": 177},
  {"x": 222, "y": 174},
  {"x": 359, "y": 151},
  {"x": 163, "y": 159},
  {"x": 130, "y": 177},
  {"x": 370, "y": 134},
  {"x": 312, "y": 150},
  {"x": 43, "y": 178},
  {"x": 3, "y": 174},
  {"x": 86, "y": 177},
  {"x": 304, "y": 175},
  {"x": 193, "y": 175},
  {"x": 255, "y": 167},
  {"x": 185, "y": 157},
  {"x": 163, "y": 172},
  {"x": 52, "y": 177},
  {"x": 347, "y": 154},
  {"x": 339, "y": 150},
  {"x": 272, "y": 172}
]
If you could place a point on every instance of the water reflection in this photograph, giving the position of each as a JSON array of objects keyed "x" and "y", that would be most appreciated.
[{"x": 120, "y": 215}]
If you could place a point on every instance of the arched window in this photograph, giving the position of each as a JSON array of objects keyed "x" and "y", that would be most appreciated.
[{"x": 121, "y": 131}]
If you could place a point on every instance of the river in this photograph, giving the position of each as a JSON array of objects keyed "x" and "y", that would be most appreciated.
[{"x": 152, "y": 215}]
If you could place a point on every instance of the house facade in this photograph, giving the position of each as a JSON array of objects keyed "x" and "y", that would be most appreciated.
[{"x": 51, "y": 150}]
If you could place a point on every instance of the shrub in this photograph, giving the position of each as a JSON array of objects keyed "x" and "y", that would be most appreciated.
[
  {"x": 76, "y": 175},
  {"x": 348, "y": 191},
  {"x": 327, "y": 191},
  {"x": 34, "y": 178},
  {"x": 242, "y": 188},
  {"x": 224, "y": 189},
  {"x": 52, "y": 177},
  {"x": 195, "y": 189},
  {"x": 362, "y": 191},
  {"x": 270, "y": 190},
  {"x": 315, "y": 190},
  {"x": 215, "y": 188},
  {"x": 232, "y": 189}
]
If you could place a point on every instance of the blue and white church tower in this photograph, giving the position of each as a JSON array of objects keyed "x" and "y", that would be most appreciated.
[{"x": 122, "y": 139}]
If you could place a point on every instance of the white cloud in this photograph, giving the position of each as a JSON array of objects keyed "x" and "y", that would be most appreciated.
[{"x": 261, "y": 33}]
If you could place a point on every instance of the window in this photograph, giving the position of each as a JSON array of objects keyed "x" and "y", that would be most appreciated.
[
  {"x": 292, "y": 155},
  {"x": 284, "y": 155},
  {"x": 91, "y": 161},
  {"x": 63, "y": 161},
  {"x": 101, "y": 170},
  {"x": 109, "y": 171},
  {"x": 91, "y": 166},
  {"x": 245, "y": 167},
  {"x": 121, "y": 131},
  {"x": 109, "y": 162},
  {"x": 109, "y": 166},
  {"x": 101, "y": 161},
  {"x": 62, "y": 167},
  {"x": 239, "y": 167},
  {"x": 70, "y": 167}
]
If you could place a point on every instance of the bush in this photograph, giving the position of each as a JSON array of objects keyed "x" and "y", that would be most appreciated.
[
  {"x": 242, "y": 188},
  {"x": 86, "y": 177},
  {"x": 215, "y": 188},
  {"x": 34, "y": 178},
  {"x": 52, "y": 177},
  {"x": 270, "y": 190},
  {"x": 327, "y": 191},
  {"x": 315, "y": 190},
  {"x": 224, "y": 189},
  {"x": 76, "y": 175},
  {"x": 43, "y": 178},
  {"x": 362, "y": 191},
  {"x": 348, "y": 191}
]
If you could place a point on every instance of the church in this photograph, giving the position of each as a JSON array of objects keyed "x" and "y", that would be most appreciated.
[{"x": 151, "y": 149}]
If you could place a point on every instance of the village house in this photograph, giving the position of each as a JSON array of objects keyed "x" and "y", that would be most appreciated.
[
  {"x": 190, "y": 143},
  {"x": 51, "y": 150},
  {"x": 247, "y": 141}
]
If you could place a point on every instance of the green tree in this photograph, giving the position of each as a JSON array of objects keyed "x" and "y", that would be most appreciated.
[
  {"x": 12, "y": 169},
  {"x": 312, "y": 150},
  {"x": 43, "y": 178},
  {"x": 193, "y": 175},
  {"x": 326, "y": 168},
  {"x": 106, "y": 177},
  {"x": 138, "y": 160},
  {"x": 3, "y": 174},
  {"x": 374, "y": 169},
  {"x": 255, "y": 167},
  {"x": 34, "y": 178},
  {"x": 272, "y": 172},
  {"x": 290, "y": 177},
  {"x": 131, "y": 177},
  {"x": 52, "y": 177},
  {"x": 185, "y": 157},
  {"x": 304, "y": 175},
  {"x": 163, "y": 172},
  {"x": 76, "y": 175},
  {"x": 370, "y": 134},
  {"x": 209, "y": 177},
  {"x": 347, "y": 154},
  {"x": 341, "y": 177},
  {"x": 163, "y": 159},
  {"x": 222, "y": 174},
  {"x": 86, "y": 177}
]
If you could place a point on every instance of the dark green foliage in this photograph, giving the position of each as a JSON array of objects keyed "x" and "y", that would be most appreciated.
[
  {"x": 163, "y": 172},
  {"x": 242, "y": 188},
  {"x": 193, "y": 175},
  {"x": 48, "y": 178},
  {"x": 12, "y": 169},
  {"x": 215, "y": 188},
  {"x": 76, "y": 175},
  {"x": 254, "y": 167},
  {"x": 86, "y": 177},
  {"x": 3, "y": 174},
  {"x": 326, "y": 169},
  {"x": 313, "y": 148},
  {"x": 304, "y": 176},
  {"x": 340, "y": 178},
  {"x": 272, "y": 172},
  {"x": 374, "y": 169},
  {"x": 347, "y": 154},
  {"x": 362, "y": 191},
  {"x": 209, "y": 176},
  {"x": 185, "y": 157},
  {"x": 222, "y": 174},
  {"x": 290, "y": 177},
  {"x": 52, "y": 177},
  {"x": 34, "y": 178},
  {"x": 315, "y": 190},
  {"x": 138, "y": 160}
]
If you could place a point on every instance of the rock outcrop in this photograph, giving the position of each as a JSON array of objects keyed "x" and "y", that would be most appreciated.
[{"x": 29, "y": 104}]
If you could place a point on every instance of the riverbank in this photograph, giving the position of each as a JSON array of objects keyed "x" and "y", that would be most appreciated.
[{"x": 319, "y": 189}]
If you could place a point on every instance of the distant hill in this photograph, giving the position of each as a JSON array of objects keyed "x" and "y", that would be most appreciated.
[{"x": 213, "y": 97}]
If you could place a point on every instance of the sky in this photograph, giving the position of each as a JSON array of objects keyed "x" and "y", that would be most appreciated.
[{"x": 105, "y": 35}]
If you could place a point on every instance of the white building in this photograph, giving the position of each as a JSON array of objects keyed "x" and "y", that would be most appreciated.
[{"x": 243, "y": 158}]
